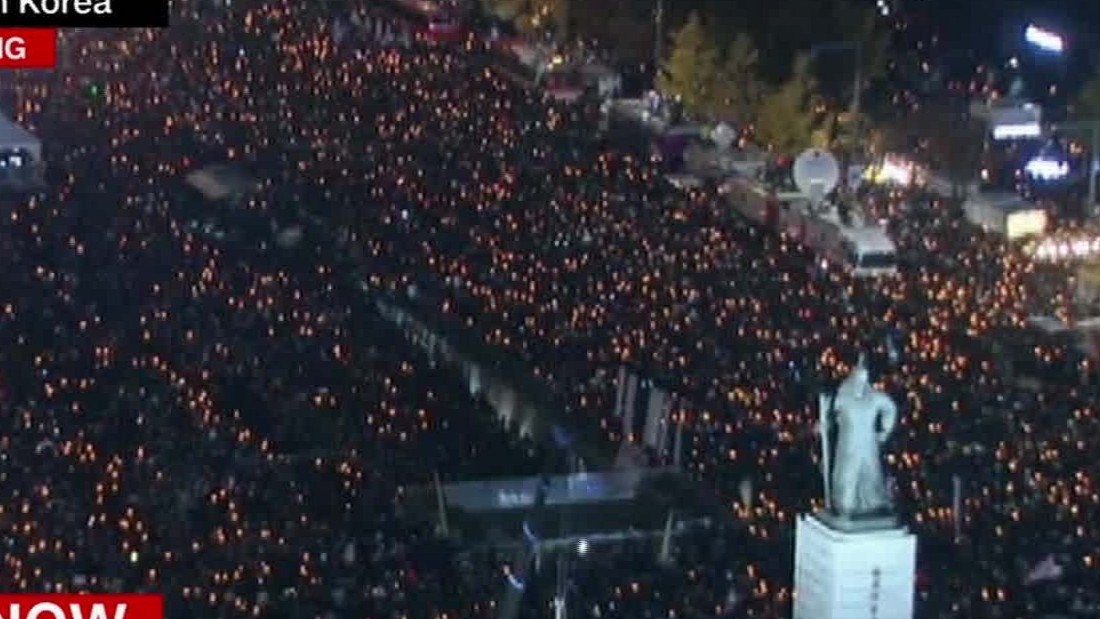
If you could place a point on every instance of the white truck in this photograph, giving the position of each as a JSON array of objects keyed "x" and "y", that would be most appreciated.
[{"x": 865, "y": 249}]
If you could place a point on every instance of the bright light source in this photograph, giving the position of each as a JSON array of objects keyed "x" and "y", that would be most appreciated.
[
  {"x": 1027, "y": 223},
  {"x": 1013, "y": 132},
  {"x": 891, "y": 172},
  {"x": 897, "y": 173},
  {"x": 1054, "y": 249},
  {"x": 1047, "y": 169},
  {"x": 582, "y": 547},
  {"x": 1044, "y": 39}
]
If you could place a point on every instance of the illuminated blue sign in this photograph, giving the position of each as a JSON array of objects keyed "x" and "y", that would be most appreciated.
[{"x": 1045, "y": 169}]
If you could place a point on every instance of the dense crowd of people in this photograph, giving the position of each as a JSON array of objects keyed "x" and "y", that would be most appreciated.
[
  {"x": 191, "y": 407},
  {"x": 225, "y": 419}
]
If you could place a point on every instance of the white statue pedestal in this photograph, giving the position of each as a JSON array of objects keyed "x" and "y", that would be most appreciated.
[{"x": 862, "y": 573}]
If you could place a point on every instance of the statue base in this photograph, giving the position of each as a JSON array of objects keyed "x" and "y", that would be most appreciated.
[
  {"x": 876, "y": 521},
  {"x": 861, "y": 568}
]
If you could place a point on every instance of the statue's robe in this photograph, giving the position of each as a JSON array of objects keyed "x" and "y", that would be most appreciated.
[{"x": 864, "y": 418}]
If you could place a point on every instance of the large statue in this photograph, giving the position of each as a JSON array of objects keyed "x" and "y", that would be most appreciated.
[{"x": 852, "y": 472}]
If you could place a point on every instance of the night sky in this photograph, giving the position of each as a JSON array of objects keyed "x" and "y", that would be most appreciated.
[
  {"x": 992, "y": 29},
  {"x": 996, "y": 26}
]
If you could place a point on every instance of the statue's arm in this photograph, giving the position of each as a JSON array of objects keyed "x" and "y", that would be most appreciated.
[{"x": 888, "y": 412}]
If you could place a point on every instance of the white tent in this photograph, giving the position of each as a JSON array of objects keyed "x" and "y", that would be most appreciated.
[{"x": 14, "y": 137}]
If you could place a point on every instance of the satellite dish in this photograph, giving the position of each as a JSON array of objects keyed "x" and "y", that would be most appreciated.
[{"x": 816, "y": 173}]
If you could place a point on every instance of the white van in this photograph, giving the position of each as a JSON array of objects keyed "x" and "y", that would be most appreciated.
[
  {"x": 869, "y": 252},
  {"x": 865, "y": 249}
]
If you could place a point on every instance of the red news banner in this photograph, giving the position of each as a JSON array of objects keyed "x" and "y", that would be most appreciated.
[
  {"x": 83, "y": 606},
  {"x": 28, "y": 28},
  {"x": 28, "y": 48}
]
